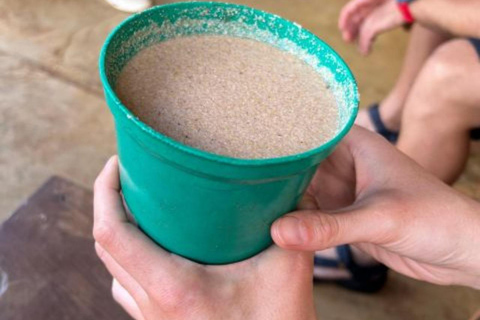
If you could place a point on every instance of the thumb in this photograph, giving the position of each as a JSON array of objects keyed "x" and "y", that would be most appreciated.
[{"x": 313, "y": 230}]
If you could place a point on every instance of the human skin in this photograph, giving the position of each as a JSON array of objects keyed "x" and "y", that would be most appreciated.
[
  {"x": 369, "y": 194},
  {"x": 422, "y": 42},
  {"x": 372, "y": 196},
  {"x": 457, "y": 17},
  {"x": 435, "y": 102},
  {"x": 435, "y": 116},
  {"x": 151, "y": 283},
  {"x": 364, "y": 20}
]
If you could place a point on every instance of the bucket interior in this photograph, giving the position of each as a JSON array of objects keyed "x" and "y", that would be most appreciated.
[{"x": 195, "y": 18}]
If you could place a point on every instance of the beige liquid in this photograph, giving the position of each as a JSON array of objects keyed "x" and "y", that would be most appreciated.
[{"x": 230, "y": 96}]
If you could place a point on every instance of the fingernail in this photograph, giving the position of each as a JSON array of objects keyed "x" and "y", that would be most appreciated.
[
  {"x": 109, "y": 162},
  {"x": 100, "y": 251},
  {"x": 292, "y": 231}
]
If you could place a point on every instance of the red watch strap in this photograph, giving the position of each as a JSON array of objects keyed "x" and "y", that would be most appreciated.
[{"x": 406, "y": 13}]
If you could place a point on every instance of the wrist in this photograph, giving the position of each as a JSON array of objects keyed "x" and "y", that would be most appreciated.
[
  {"x": 405, "y": 10},
  {"x": 421, "y": 11}
]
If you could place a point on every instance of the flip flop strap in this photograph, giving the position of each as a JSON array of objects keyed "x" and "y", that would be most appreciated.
[
  {"x": 380, "y": 128},
  {"x": 327, "y": 263},
  {"x": 360, "y": 273}
]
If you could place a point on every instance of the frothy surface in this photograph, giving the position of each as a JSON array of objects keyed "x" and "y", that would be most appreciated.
[{"x": 230, "y": 96}]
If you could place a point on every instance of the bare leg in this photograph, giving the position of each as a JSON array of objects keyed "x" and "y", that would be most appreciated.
[
  {"x": 442, "y": 107},
  {"x": 422, "y": 43}
]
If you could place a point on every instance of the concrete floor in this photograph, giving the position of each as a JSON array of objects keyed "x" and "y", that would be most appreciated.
[{"x": 53, "y": 120}]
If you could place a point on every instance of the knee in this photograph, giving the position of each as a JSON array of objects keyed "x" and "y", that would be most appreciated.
[
  {"x": 446, "y": 67},
  {"x": 437, "y": 87}
]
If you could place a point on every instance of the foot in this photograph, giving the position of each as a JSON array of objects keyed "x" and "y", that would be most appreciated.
[
  {"x": 130, "y": 5},
  {"x": 364, "y": 119},
  {"x": 371, "y": 119}
]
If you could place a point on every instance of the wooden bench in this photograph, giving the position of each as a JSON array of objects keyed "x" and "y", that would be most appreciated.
[{"x": 48, "y": 266}]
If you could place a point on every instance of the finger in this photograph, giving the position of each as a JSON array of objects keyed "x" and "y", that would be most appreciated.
[
  {"x": 382, "y": 19},
  {"x": 127, "y": 245},
  {"x": 107, "y": 194},
  {"x": 352, "y": 29},
  {"x": 122, "y": 276},
  {"x": 350, "y": 32},
  {"x": 350, "y": 17},
  {"x": 315, "y": 230},
  {"x": 357, "y": 21},
  {"x": 350, "y": 9},
  {"x": 368, "y": 32},
  {"x": 125, "y": 300}
]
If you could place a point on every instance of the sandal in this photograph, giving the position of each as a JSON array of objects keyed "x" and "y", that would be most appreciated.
[
  {"x": 392, "y": 136},
  {"x": 367, "y": 279},
  {"x": 374, "y": 114}
]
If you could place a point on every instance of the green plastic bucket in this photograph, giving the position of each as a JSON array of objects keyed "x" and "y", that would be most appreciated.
[{"x": 209, "y": 208}]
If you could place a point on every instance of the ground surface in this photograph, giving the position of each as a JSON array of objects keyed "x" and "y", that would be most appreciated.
[{"x": 53, "y": 120}]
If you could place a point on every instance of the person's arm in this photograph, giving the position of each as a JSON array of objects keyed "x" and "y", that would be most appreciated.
[
  {"x": 367, "y": 193},
  {"x": 151, "y": 283},
  {"x": 460, "y": 18},
  {"x": 364, "y": 20}
]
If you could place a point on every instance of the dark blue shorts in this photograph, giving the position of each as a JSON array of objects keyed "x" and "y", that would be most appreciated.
[{"x": 475, "y": 133}]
